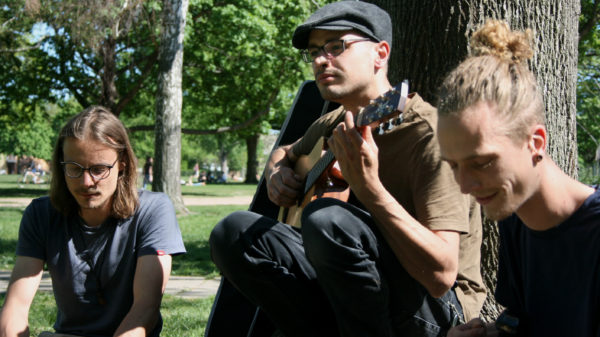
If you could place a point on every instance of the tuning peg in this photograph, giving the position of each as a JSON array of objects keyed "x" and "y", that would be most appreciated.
[{"x": 379, "y": 130}]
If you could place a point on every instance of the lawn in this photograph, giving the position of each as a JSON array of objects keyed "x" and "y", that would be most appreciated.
[{"x": 182, "y": 317}]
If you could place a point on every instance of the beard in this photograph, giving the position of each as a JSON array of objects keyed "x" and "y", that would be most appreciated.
[{"x": 505, "y": 205}]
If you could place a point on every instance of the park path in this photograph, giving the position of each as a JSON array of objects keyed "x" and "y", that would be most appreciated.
[{"x": 181, "y": 286}]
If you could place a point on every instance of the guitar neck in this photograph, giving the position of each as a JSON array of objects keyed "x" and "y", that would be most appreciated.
[{"x": 318, "y": 169}]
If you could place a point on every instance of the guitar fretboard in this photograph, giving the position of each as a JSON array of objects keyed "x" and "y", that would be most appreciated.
[{"x": 317, "y": 170}]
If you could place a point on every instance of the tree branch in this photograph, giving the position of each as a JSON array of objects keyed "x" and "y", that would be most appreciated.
[
  {"x": 222, "y": 129},
  {"x": 588, "y": 132},
  {"x": 138, "y": 85},
  {"x": 18, "y": 50}
]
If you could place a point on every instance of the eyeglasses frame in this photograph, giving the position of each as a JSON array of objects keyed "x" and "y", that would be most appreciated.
[
  {"x": 83, "y": 169},
  {"x": 306, "y": 57}
]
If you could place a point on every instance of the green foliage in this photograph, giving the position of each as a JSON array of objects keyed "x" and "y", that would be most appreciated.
[
  {"x": 588, "y": 87},
  {"x": 240, "y": 70},
  {"x": 238, "y": 56}
]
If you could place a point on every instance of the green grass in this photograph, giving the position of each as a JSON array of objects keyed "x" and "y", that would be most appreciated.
[
  {"x": 219, "y": 190},
  {"x": 10, "y": 188},
  {"x": 182, "y": 317},
  {"x": 195, "y": 229}
]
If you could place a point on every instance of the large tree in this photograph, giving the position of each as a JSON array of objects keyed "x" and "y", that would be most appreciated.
[{"x": 431, "y": 38}]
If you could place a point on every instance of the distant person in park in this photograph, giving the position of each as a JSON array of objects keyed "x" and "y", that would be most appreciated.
[
  {"x": 492, "y": 133},
  {"x": 194, "y": 179},
  {"x": 401, "y": 256},
  {"x": 147, "y": 171},
  {"x": 11, "y": 164},
  {"x": 33, "y": 170},
  {"x": 106, "y": 245}
]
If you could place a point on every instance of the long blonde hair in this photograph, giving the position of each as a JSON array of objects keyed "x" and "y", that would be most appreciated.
[
  {"x": 496, "y": 72},
  {"x": 99, "y": 124}
]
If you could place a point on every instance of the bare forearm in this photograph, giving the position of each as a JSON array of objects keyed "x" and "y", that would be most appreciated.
[
  {"x": 279, "y": 157},
  {"x": 140, "y": 320},
  {"x": 25, "y": 279},
  {"x": 13, "y": 323},
  {"x": 426, "y": 256}
]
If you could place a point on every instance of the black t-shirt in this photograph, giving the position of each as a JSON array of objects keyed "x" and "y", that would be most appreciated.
[{"x": 551, "y": 279}]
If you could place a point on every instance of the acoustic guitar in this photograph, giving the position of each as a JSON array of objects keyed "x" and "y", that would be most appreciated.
[{"x": 319, "y": 170}]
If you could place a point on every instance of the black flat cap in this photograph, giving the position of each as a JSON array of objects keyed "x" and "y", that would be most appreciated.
[{"x": 366, "y": 18}]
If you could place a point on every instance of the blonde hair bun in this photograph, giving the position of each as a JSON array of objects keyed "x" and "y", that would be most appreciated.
[{"x": 497, "y": 39}]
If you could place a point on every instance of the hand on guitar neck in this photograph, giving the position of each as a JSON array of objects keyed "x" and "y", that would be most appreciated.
[{"x": 357, "y": 155}]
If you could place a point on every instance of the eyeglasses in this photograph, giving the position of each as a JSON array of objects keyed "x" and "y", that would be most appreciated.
[
  {"x": 331, "y": 48},
  {"x": 98, "y": 172}
]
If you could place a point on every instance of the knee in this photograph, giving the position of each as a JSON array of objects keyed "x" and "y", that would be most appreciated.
[
  {"x": 324, "y": 230},
  {"x": 224, "y": 236},
  {"x": 317, "y": 219}
]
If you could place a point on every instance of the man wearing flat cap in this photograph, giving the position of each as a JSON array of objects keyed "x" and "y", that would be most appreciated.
[{"x": 401, "y": 256}]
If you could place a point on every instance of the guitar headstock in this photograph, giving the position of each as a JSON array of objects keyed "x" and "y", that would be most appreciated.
[{"x": 385, "y": 108}]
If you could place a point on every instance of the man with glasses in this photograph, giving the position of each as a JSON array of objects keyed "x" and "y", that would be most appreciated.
[
  {"x": 107, "y": 246},
  {"x": 401, "y": 257}
]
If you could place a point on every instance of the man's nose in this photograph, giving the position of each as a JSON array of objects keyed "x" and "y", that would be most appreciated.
[
  {"x": 467, "y": 181},
  {"x": 87, "y": 178}
]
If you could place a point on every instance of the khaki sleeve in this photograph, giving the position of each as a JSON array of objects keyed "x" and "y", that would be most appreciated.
[
  {"x": 439, "y": 204},
  {"x": 322, "y": 127}
]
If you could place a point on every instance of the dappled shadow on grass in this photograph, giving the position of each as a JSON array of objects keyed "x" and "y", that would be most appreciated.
[
  {"x": 25, "y": 192},
  {"x": 196, "y": 262}
]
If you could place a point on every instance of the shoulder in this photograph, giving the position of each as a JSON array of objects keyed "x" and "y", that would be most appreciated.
[
  {"x": 419, "y": 111},
  {"x": 151, "y": 200},
  {"x": 323, "y": 126},
  {"x": 41, "y": 207}
]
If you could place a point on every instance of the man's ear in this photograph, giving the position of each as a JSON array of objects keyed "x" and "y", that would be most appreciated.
[
  {"x": 383, "y": 53},
  {"x": 538, "y": 140},
  {"x": 122, "y": 165}
]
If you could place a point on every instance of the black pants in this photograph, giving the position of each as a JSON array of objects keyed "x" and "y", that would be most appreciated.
[{"x": 338, "y": 277}]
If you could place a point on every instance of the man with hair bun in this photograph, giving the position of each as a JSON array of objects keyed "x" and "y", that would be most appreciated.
[
  {"x": 106, "y": 245},
  {"x": 491, "y": 131}
]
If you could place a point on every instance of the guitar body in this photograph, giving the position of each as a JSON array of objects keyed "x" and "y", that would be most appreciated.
[{"x": 330, "y": 184}]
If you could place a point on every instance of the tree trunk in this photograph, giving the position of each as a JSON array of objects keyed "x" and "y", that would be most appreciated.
[
  {"x": 108, "y": 75},
  {"x": 252, "y": 162},
  {"x": 167, "y": 163},
  {"x": 431, "y": 38}
]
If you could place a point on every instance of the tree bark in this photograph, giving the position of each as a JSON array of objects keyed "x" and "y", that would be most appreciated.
[
  {"x": 431, "y": 38},
  {"x": 167, "y": 169},
  {"x": 252, "y": 161},
  {"x": 110, "y": 94}
]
